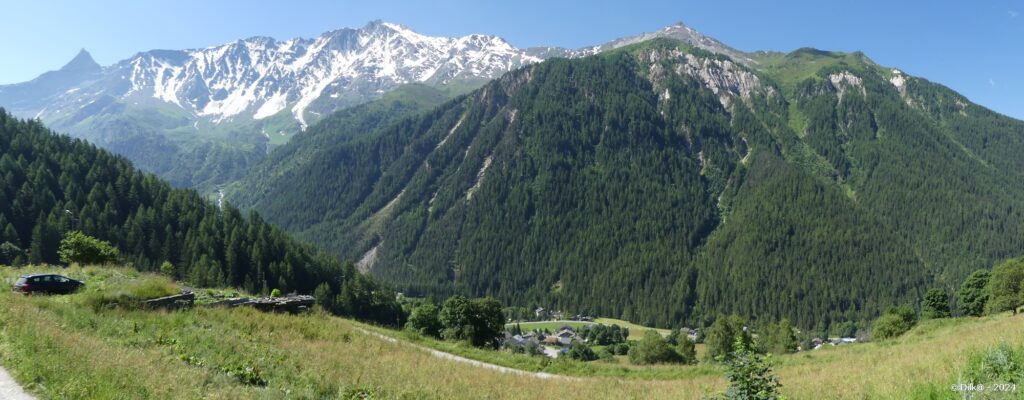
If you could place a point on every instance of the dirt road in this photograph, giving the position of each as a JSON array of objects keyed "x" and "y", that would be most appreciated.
[{"x": 11, "y": 390}]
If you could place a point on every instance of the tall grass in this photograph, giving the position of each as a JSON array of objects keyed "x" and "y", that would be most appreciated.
[{"x": 59, "y": 347}]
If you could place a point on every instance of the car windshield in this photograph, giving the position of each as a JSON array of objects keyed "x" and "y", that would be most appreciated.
[{"x": 21, "y": 281}]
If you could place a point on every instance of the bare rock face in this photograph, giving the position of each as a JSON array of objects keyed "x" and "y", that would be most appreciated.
[
  {"x": 843, "y": 81},
  {"x": 724, "y": 77},
  {"x": 899, "y": 81}
]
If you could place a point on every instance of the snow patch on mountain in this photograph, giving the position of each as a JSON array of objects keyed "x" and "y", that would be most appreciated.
[
  {"x": 259, "y": 77},
  {"x": 276, "y": 103}
]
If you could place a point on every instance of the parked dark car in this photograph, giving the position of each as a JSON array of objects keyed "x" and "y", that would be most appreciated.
[{"x": 47, "y": 283}]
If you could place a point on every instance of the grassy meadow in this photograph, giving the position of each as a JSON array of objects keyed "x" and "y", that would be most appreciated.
[{"x": 64, "y": 347}]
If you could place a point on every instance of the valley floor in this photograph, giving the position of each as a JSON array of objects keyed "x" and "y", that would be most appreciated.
[{"x": 59, "y": 347}]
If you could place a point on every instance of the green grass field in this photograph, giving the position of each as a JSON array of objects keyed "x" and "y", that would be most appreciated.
[
  {"x": 60, "y": 347},
  {"x": 635, "y": 331},
  {"x": 549, "y": 325}
]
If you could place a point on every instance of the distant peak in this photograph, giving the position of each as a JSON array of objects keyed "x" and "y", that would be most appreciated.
[
  {"x": 377, "y": 24},
  {"x": 82, "y": 61}
]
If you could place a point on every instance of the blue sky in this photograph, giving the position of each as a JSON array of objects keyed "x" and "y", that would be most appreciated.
[{"x": 977, "y": 48}]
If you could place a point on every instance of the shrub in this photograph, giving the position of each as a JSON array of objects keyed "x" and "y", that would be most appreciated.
[
  {"x": 424, "y": 319},
  {"x": 581, "y": 352},
  {"x": 750, "y": 375},
  {"x": 533, "y": 349},
  {"x": 653, "y": 349},
  {"x": 9, "y": 252},
  {"x": 895, "y": 322},
  {"x": 687, "y": 351},
  {"x": 167, "y": 268},
  {"x": 83, "y": 249},
  {"x": 996, "y": 364},
  {"x": 275, "y": 293}
]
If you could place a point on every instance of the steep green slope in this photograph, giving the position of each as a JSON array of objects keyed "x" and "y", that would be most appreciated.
[
  {"x": 315, "y": 144},
  {"x": 664, "y": 184},
  {"x": 53, "y": 184}
]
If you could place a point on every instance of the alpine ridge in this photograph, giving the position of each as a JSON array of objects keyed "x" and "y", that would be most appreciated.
[
  {"x": 664, "y": 183},
  {"x": 201, "y": 117}
]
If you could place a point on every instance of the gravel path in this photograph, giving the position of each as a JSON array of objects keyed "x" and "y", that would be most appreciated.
[
  {"x": 11, "y": 390},
  {"x": 449, "y": 356}
]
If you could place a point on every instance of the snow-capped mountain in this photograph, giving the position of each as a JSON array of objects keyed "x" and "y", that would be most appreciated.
[
  {"x": 260, "y": 76},
  {"x": 199, "y": 117}
]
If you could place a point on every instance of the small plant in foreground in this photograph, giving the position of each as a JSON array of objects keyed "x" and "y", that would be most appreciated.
[{"x": 750, "y": 375}]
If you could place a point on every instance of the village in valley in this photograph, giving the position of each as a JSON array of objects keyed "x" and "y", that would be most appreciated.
[{"x": 554, "y": 333}]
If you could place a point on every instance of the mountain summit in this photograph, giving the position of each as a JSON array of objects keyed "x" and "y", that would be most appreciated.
[
  {"x": 259, "y": 77},
  {"x": 199, "y": 117},
  {"x": 83, "y": 61}
]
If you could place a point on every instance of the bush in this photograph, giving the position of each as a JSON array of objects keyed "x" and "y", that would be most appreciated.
[
  {"x": 424, "y": 319},
  {"x": 895, "y": 322},
  {"x": 9, "y": 252},
  {"x": 687, "y": 351},
  {"x": 581, "y": 352},
  {"x": 275, "y": 293},
  {"x": 83, "y": 249},
  {"x": 653, "y": 349},
  {"x": 996, "y": 364},
  {"x": 620, "y": 349},
  {"x": 167, "y": 269},
  {"x": 533, "y": 349}
]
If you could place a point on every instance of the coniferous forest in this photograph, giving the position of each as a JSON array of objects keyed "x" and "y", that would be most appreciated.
[
  {"x": 622, "y": 185},
  {"x": 53, "y": 184},
  {"x": 619, "y": 184}
]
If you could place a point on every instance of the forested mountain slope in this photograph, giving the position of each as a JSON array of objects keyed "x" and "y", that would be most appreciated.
[
  {"x": 54, "y": 184},
  {"x": 664, "y": 184}
]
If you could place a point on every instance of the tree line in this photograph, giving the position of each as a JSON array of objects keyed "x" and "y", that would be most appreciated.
[{"x": 55, "y": 187}]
